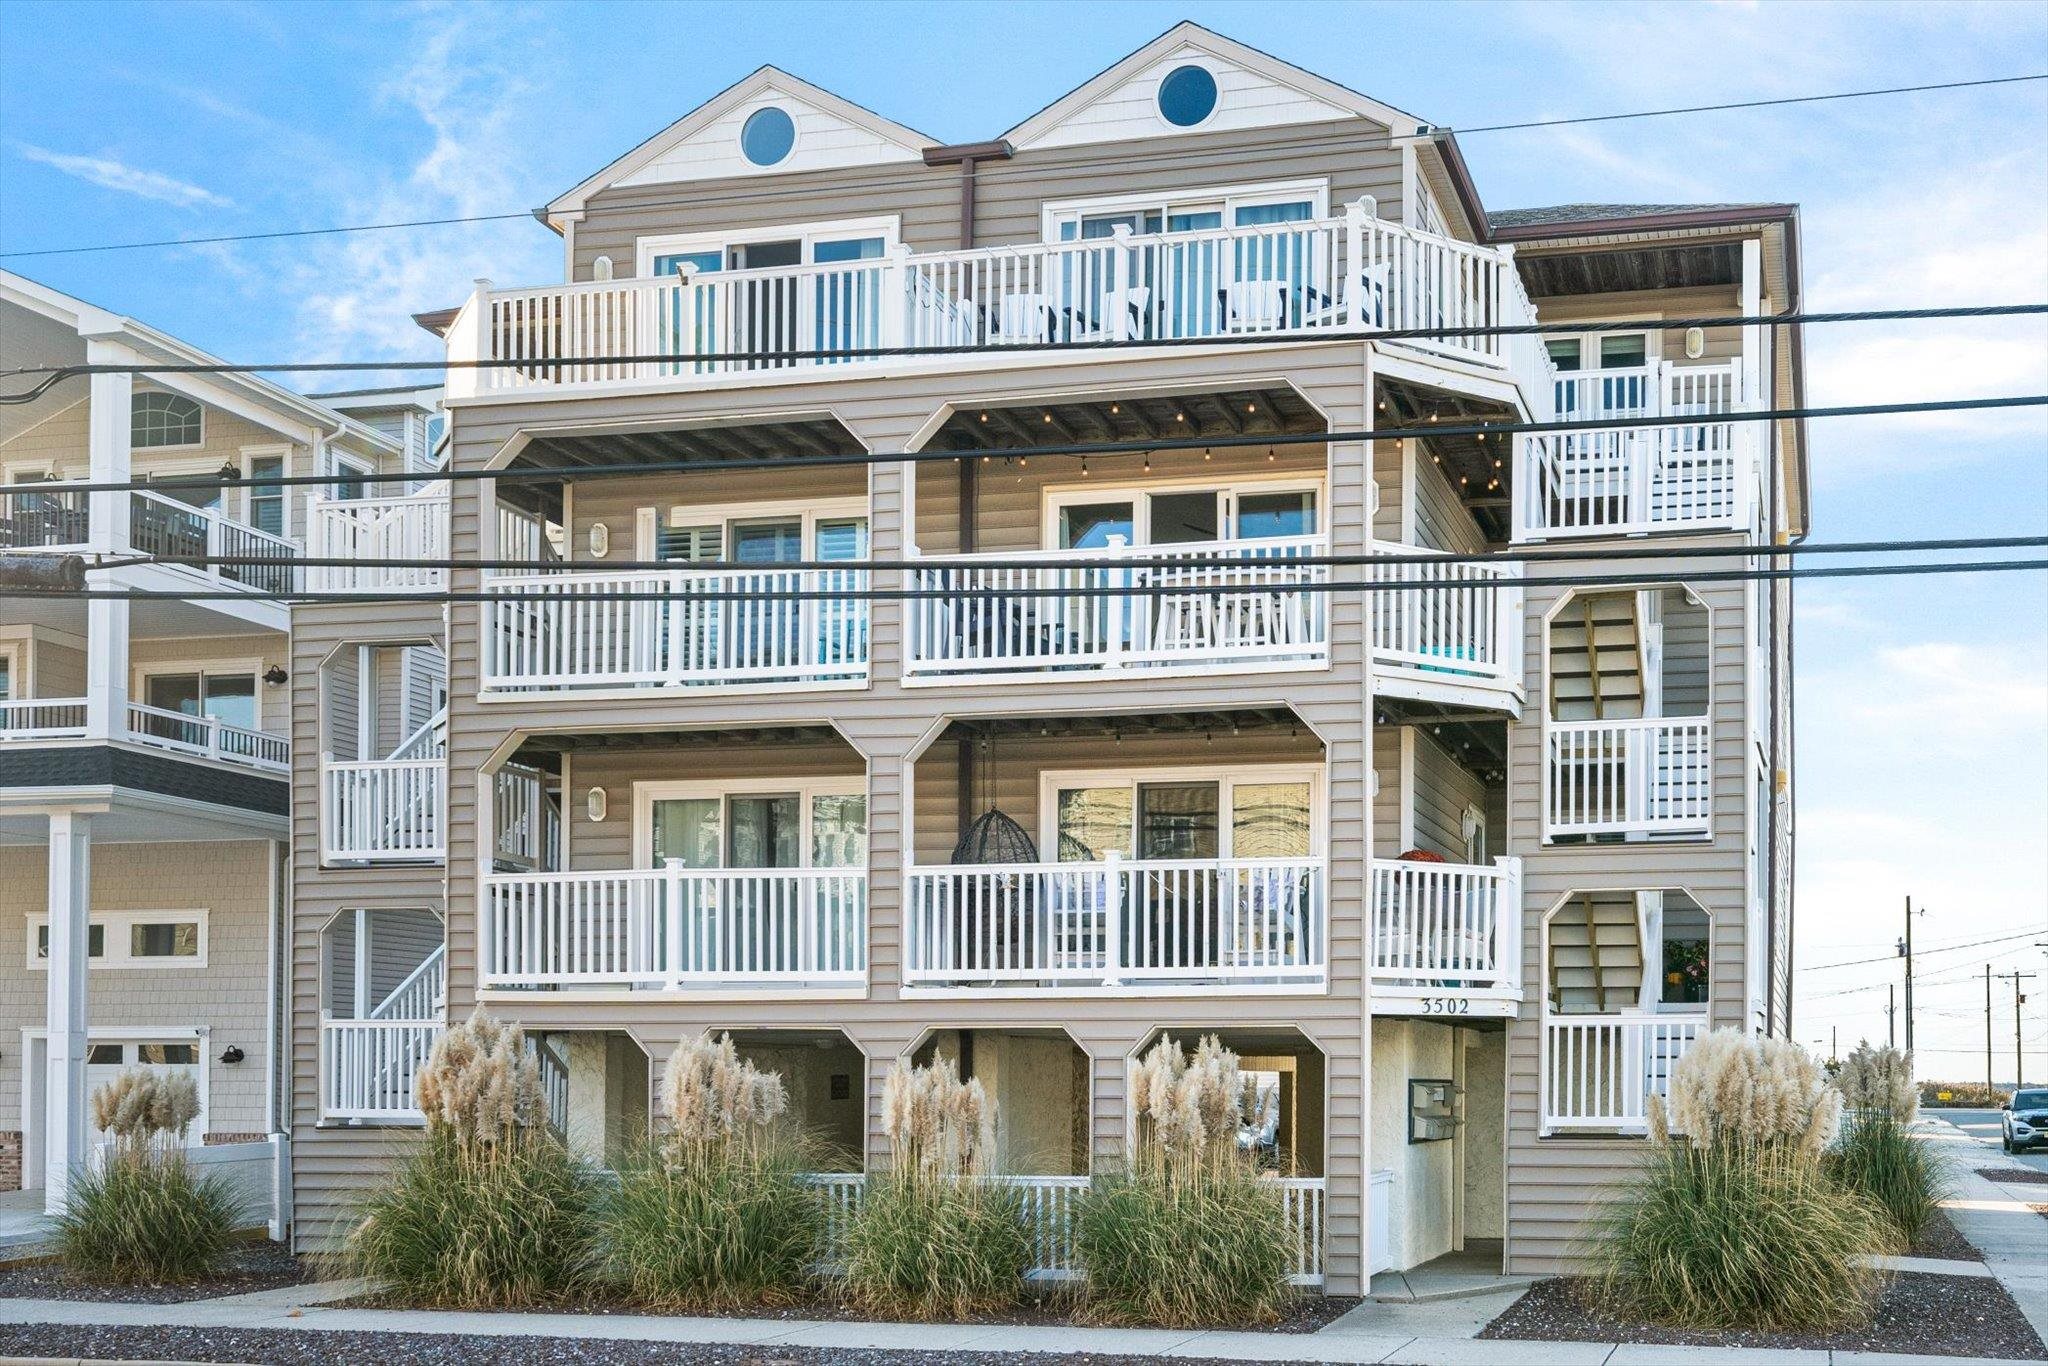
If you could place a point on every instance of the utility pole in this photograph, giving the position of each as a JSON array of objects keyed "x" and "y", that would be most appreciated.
[
  {"x": 1906, "y": 952},
  {"x": 1891, "y": 1015},
  {"x": 1988, "y": 1084},
  {"x": 1834, "y": 1042},
  {"x": 2019, "y": 1061}
]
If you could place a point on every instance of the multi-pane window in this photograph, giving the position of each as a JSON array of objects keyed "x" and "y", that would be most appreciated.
[
  {"x": 160, "y": 419},
  {"x": 132, "y": 939},
  {"x": 266, "y": 501},
  {"x": 1254, "y": 816}
]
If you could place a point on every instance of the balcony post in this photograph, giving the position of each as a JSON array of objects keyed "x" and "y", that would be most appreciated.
[
  {"x": 672, "y": 913},
  {"x": 106, "y": 661},
  {"x": 1116, "y": 605},
  {"x": 1120, "y": 282},
  {"x": 1112, "y": 918},
  {"x": 1507, "y": 920},
  {"x": 469, "y": 339},
  {"x": 895, "y": 300},
  {"x": 109, "y": 460},
  {"x": 65, "y": 1131},
  {"x": 1357, "y": 309}
]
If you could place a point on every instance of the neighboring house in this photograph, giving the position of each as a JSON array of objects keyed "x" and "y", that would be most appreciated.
[
  {"x": 1458, "y": 868},
  {"x": 145, "y": 744}
]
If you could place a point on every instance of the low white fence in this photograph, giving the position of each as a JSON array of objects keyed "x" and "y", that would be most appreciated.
[
  {"x": 676, "y": 927},
  {"x": 1116, "y": 922},
  {"x": 1599, "y": 1071},
  {"x": 701, "y": 628},
  {"x": 1447, "y": 926},
  {"x": 208, "y": 738},
  {"x": 42, "y": 718},
  {"x": 1009, "y": 613},
  {"x": 1648, "y": 776},
  {"x": 161, "y": 525},
  {"x": 382, "y": 810},
  {"x": 1048, "y": 1208}
]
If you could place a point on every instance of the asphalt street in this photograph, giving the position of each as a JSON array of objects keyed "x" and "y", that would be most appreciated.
[{"x": 1982, "y": 1125}]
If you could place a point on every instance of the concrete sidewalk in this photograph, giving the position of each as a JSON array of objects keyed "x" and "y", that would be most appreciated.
[
  {"x": 1386, "y": 1334},
  {"x": 1996, "y": 1218}
]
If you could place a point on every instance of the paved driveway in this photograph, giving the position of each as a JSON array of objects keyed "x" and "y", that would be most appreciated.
[{"x": 1982, "y": 1125}]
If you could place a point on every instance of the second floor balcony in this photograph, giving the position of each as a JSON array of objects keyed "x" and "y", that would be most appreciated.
[
  {"x": 55, "y": 517},
  {"x": 1348, "y": 274}
]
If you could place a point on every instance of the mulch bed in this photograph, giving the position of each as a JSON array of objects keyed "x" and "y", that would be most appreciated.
[
  {"x": 2017, "y": 1176},
  {"x": 1940, "y": 1239},
  {"x": 260, "y": 1266},
  {"x": 1306, "y": 1314},
  {"x": 1970, "y": 1316},
  {"x": 287, "y": 1347}
]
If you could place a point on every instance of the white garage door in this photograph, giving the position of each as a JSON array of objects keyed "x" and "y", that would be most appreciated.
[{"x": 106, "y": 1060}]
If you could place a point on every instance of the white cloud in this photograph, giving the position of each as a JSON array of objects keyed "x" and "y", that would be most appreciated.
[
  {"x": 1952, "y": 697},
  {"x": 122, "y": 178}
]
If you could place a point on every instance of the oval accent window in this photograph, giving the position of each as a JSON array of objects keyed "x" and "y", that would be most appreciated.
[
  {"x": 1187, "y": 96},
  {"x": 767, "y": 136}
]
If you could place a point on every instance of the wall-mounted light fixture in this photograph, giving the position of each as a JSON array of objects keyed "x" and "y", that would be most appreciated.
[
  {"x": 232, "y": 1055},
  {"x": 595, "y": 804},
  {"x": 1695, "y": 342},
  {"x": 600, "y": 540},
  {"x": 275, "y": 676}
]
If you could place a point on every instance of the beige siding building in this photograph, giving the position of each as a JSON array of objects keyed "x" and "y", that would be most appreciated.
[{"x": 945, "y": 601}]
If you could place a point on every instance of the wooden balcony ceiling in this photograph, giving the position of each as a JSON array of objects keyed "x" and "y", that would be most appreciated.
[
  {"x": 1627, "y": 269},
  {"x": 1479, "y": 463},
  {"x": 1480, "y": 743},
  {"x": 544, "y": 748},
  {"x": 1099, "y": 725},
  {"x": 786, "y": 440},
  {"x": 1149, "y": 417}
]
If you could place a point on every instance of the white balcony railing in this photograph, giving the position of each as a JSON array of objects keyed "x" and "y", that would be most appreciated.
[
  {"x": 208, "y": 738},
  {"x": 1672, "y": 473},
  {"x": 1323, "y": 277},
  {"x": 413, "y": 528},
  {"x": 367, "y": 1068},
  {"x": 690, "y": 628},
  {"x": 676, "y": 928},
  {"x": 1599, "y": 1070},
  {"x": 42, "y": 718},
  {"x": 1016, "y": 613},
  {"x": 1447, "y": 929},
  {"x": 1048, "y": 1210},
  {"x": 161, "y": 525},
  {"x": 382, "y": 810},
  {"x": 1645, "y": 777},
  {"x": 1187, "y": 922},
  {"x": 1468, "y": 630}
]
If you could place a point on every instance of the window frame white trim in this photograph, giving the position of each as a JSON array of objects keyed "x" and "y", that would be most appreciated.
[
  {"x": 125, "y": 960},
  {"x": 1316, "y": 189},
  {"x": 1179, "y": 60},
  {"x": 1589, "y": 347},
  {"x": 1227, "y": 777},
  {"x": 1054, "y": 497},
  {"x": 649, "y": 520},
  {"x": 138, "y": 395},
  {"x": 649, "y": 791},
  {"x": 254, "y": 666},
  {"x": 889, "y": 227},
  {"x": 281, "y": 451}
]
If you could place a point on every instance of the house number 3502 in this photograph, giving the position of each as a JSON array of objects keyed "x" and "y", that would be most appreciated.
[{"x": 1445, "y": 1005}]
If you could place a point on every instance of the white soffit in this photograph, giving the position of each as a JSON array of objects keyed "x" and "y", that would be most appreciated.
[{"x": 1254, "y": 90}]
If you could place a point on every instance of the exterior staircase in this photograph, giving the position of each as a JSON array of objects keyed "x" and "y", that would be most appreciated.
[{"x": 1596, "y": 954}]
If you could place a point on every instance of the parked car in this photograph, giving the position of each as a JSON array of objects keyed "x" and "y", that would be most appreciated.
[{"x": 2026, "y": 1120}]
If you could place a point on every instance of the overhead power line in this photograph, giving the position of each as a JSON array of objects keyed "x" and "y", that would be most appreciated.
[
  {"x": 1146, "y": 590},
  {"x": 1252, "y": 441},
  {"x": 1024, "y": 174},
  {"x": 1923, "y": 953},
  {"x": 55, "y": 373}
]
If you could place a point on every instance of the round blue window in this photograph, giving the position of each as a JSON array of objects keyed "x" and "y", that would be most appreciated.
[
  {"x": 768, "y": 136},
  {"x": 1187, "y": 96}
]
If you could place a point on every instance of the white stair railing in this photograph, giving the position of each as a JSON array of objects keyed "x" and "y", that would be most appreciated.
[
  {"x": 1649, "y": 776},
  {"x": 1598, "y": 1071},
  {"x": 422, "y": 995},
  {"x": 382, "y": 810},
  {"x": 1197, "y": 922},
  {"x": 367, "y": 1067}
]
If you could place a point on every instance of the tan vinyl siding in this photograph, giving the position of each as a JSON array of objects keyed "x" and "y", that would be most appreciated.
[
  {"x": 1350, "y": 154},
  {"x": 1444, "y": 788},
  {"x": 609, "y": 843},
  {"x": 616, "y": 503},
  {"x": 1440, "y": 519}
]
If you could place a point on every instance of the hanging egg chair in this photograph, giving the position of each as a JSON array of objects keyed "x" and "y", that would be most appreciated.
[{"x": 993, "y": 837}]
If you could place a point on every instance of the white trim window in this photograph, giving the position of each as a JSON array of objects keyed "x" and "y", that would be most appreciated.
[
  {"x": 160, "y": 421},
  {"x": 130, "y": 939},
  {"x": 337, "y": 463},
  {"x": 263, "y": 507},
  {"x": 755, "y": 533},
  {"x": 230, "y": 693},
  {"x": 788, "y": 245},
  {"x": 1206, "y": 210},
  {"x": 1604, "y": 374},
  {"x": 752, "y": 823},
  {"x": 1193, "y": 511},
  {"x": 1258, "y": 811}
]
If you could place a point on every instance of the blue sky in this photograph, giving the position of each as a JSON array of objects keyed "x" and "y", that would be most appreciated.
[{"x": 1923, "y": 736}]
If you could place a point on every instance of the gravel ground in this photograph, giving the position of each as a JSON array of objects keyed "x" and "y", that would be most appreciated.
[
  {"x": 1940, "y": 1239},
  {"x": 1935, "y": 1315},
  {"x": 262, "y": 1266},
  {"x": 2020, "y": 1176},
  {"x": 1308, "y": 1313},
  {"x": 288, "y": 1347}
]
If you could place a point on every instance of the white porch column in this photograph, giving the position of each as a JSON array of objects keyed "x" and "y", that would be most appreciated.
[
  {"x": 108, "y": 418},
  {"x": 106, "y": 659},
  {"x": 64, "y": 1132}
]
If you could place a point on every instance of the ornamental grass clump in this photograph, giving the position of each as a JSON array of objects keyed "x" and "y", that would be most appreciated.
[
  {"x": 489, "y": 1210},
  {"x": 715, "y": 1215},
  {"x": 1732, "y": 1220},
  {"x": 933, "y": 1237},
  {"x": 1877, "y": 1154},
  {"x": 1190, "y": 1233},
  {"x": 140, "y": 1213}
]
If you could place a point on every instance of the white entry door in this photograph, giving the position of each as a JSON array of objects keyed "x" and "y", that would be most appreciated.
[{"x": 105, "y": 1061}]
